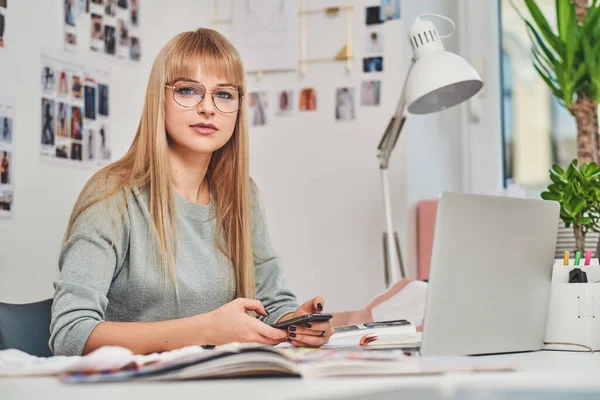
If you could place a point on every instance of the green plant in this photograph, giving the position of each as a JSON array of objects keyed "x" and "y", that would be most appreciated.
[
  {"x": 577, "y": 189},
  {"x": 568, "y": 60}
]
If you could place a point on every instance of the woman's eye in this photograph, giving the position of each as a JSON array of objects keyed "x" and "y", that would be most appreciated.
[
  {"x": 189, "y": 91},
  {"x": 224, "y": 95}
]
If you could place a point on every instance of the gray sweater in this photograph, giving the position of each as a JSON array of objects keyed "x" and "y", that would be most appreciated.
[{"x": 99, "y": 282}]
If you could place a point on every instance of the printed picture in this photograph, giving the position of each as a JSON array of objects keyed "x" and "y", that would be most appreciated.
[
  {"x": 390, "y": 10},
  {"x": 48, "y": 122},
  {"x": 110, "y": 7},
  {"x": 105, "y": 152},
  {"x": 90, "y": 102},
  {"x": 48, "y": 79},
  {"x": 257, "y": 108},
  {"x": 2, "y": 25},
  {"x": 97, "y": 32},
  {"x": 135, "y": 11},
  {"x": 123, "y": 34},
  {"x": 63, "y": 120},
  {"x": 371, "y": 93},
  {"x": 90, "y": 145},
  {"x": 5, "y": 167},
  {"x": 76, "y": 87},
  {"x": 344, "y": 104},
  {"x": 285, "y": 100},
  {"x": 122, "y": 4},
  {"x": 76, "y": 153},
  {"x": 70, "y": 40},
  {"x": 103, "y": 99},
  {"x": 98, "y": 2},
  {"x": 374, "y": 42},
  {"x": 110, "y": 40},
  {"x": 76, "y": 123},
  {"x": 83, "y": 6},
  {"x": 70, "y": 12},
  {"x": 63, "y": 84},
  {"x": 62, "y": 151},
  {"x": 373, "y": 16},
  {"x": 6, "y": 200},
  {"x": 135, "y": 50},
  {"x": 6, "y": 130},
  {"x": 308, "y": 99},
  {"x": 373, "y": 64}
]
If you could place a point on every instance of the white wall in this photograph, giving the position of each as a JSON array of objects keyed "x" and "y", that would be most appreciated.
[{"x": 319, "y": 178}]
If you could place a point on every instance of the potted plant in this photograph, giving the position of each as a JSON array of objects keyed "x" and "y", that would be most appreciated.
[
  {"x": 568, "y": 60},
  {"x": 577, "y": 189}
]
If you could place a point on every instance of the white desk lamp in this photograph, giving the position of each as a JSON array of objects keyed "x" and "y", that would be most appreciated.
[{"x": 436, "y": 80}]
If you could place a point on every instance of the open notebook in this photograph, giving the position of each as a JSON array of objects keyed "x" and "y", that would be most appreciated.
[
  {"x": 399, "y": 334},
  {"x": 110, "y": 364}
]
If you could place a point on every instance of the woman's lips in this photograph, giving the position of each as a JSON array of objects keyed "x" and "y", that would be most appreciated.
[{"x": 204, "y": 129}]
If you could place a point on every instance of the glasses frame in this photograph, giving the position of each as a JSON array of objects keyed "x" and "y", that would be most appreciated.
[{"x": 212, "y": 96}]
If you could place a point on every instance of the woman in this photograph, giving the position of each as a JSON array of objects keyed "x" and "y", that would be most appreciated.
[{"x": 168, "y": 246}]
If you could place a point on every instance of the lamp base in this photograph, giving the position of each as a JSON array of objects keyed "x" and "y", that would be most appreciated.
[{"x": 386, "y": 265}]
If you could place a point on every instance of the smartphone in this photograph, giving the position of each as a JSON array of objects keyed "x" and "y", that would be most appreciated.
[{"x": 303, "y": 320}]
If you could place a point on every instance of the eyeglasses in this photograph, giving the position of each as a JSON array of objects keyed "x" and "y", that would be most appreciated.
[{"x": 190, "y": 94}]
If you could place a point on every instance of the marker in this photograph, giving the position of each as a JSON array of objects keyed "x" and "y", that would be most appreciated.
[
  {"x": 577, "y": 258},
  {"x": 567, "y": 254},
  {"x": 588, "y": 257}
]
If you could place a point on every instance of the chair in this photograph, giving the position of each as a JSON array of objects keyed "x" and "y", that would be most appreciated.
[{"x": 26, "y": 327}]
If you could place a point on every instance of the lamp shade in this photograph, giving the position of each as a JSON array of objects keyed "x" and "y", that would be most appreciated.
[{"x": 438, "y": 79}]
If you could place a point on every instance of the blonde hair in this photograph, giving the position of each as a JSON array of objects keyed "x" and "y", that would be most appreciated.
[{"x": 147, "y": 163}]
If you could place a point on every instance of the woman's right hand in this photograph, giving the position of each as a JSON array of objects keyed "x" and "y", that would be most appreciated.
[{"x": 230, "y": 323}]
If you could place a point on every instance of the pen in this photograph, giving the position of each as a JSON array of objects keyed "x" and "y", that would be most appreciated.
[
  {"x": 566, "y": 258},
  {"x": 588, "y": 257},
  {"x": 577, "y": 258}
]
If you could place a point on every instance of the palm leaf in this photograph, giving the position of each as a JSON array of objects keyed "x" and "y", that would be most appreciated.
[
  {"x": 535, "y": 38},
  {"x": 544, "y": 27}
]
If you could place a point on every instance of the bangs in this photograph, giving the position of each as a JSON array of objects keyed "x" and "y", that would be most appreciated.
[{"x": 205, "y": 52}]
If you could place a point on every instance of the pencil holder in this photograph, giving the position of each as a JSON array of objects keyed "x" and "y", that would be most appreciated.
[{"x": 574, "y": 310}]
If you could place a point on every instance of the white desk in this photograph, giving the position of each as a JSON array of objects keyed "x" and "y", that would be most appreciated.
[{"x": 543, "y": 375}]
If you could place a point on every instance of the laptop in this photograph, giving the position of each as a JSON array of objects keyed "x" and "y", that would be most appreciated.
[{"x": 489, "y": 282}]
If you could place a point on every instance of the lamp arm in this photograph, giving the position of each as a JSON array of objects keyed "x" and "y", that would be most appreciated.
[{"x": 394, "y": 128}]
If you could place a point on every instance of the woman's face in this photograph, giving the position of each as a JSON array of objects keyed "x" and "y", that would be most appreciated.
[{"x": 202, "y": 129}]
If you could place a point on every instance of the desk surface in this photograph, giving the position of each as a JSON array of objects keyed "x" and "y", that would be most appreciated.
[{"x": 543, "y": 375}]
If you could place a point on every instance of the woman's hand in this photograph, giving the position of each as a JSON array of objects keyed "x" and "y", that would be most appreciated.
[
  {"x": 311, "y": 334},
  {"x": 231, "y": 323}
]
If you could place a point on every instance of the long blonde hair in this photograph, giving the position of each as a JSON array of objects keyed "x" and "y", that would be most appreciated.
[{"x": 147, "y": 163}]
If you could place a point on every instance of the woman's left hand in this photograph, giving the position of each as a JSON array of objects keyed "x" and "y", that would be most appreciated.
[{"x": 311, "y": 334}]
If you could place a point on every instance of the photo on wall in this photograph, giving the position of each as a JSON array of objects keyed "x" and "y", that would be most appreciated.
[
  {"x": 110, "y": 40},
  {"x": 110, "y": 8},
  {"x": 89, "y": 148},
  {"x": 90, "y": 102},
  {"x": 103, "y": 100},
  {"x": 70, "y": 12},
  {"x": 76, "y": 88},
  {"x": 257, "y": 108},
  {"x": 6, "y": 130},
  {"x": 344, "y": 104},
  {"x": 70, "y": 41},
  {"x": 285, "y": 103},
  {"x": 122, "y": 4},
  {"x": 48, "y": 79},
  {"x": 105, "y": 146},
  {"x": 373, "y": 64},
  {"x": 76, "y": 151},
  {"x": 76, "y": 123},
  {"x": 373, "y": 15},
  {"x": 63, "y": 120},
  {"x": 3, "y": 22},
  {"x": 123, "y": 48},
  {"x": 62, "y": 150},
  {"x": 6, "y": 202},
  {"x": 374, "y": 41},
  {"x": 370, "y": 93},
  {"x": 308, "y": 99},
  {"x": 6, "y": 162},
  {"x": 389, "y": 10},
  {"x": 48, "y": 122},
  {"x": 135, "y": 12},
  {"x": 135, "y": 48},
  {"x": 97, "y": 33}
]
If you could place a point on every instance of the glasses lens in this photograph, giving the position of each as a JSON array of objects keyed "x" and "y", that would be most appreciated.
[
  {"x": 188, "y": 94},
  {"x": 226, "y": 100}
]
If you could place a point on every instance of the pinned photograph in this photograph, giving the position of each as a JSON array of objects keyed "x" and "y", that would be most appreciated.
[
  {"x": 257, "y": 108},
  {"x": 62, "y": 151},
  {"x": 63, "y": 120},
  {"x": 6, "y": 130},
  {"x": 90, "y": 102},
  {"x": 135, "y": 49},
  {"x": 110, "y": 40},
  {"x": 371, "y": 93},
  {"x": 76, "y": 151},
  {"x": 83, "y": 7},
  {"x": 103, "y": 99},
  {"x": 48, "y": 79},
  {"x": 89, "y": 148},
  {"x": 122, "y": 4},
  {"x": 344, "y": 104},
  {"x": 70, "y": 41},
  {"x": 373, "y": 64},
  {"x": 97, "y": 32},
  {"x": 98, "y": 2},
  {"x": 76, "y": 123},
  {"x": 5, "y": 167},
  {"x": 110, "y": 7},
  {"x": 389, "y": 10},
  {"x": 76, "y": 87},
  {"x": 63, "y": 84},
  {"x": 6, "y": 200},
  {"x": 285, "y": 103},
  {"x": 2, "y": 25},
  {"x": 105, "y": 152},
  {"x": 374, "y": 41},
  {"x": 48, "y": 122},
  {"x": 70, "y": 12},
  {"x": 123, "y": 47},
  {"x": 373, "y": 15},
  {"x": 308, "y": 99},
  {"x": 135, "y": 12}
]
